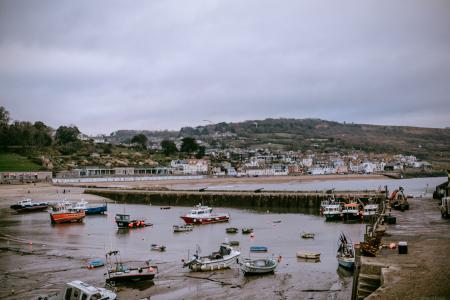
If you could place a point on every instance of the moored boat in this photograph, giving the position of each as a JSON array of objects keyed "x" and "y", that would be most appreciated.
[
  {"x": 77, "y": 289},
  {"x": 117, "y": 272},
  {"x": 182, "y": 228},
  {"x": 351, "y": 211},
  {"x": 27, "y": 205},
  {"x": 308, "y": 235},
  {"x": 204, "y": 215},
  {"x": 224, "y": 258},
  {"x": 91, "y": 210},
  {"x": 96, "y": 263},
  {"x": 247, "y": 230},
  {"x": 346, "y": 253},
  {"x": 64, "y": 213},
  {"x": 232, "y": 230},
  {"x": 332, "y": 211},
  {"x": 370, "y": 210},
  {"x": 258, "y": 249},
  {"x": 308, "y": 255},
  {"x": 258, "y": 266},
  {"x": 124, "y": 221},
  {"x": 157, "y": 247}
]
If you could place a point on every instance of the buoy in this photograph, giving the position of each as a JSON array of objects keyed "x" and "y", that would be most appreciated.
[
  {"x": 30, "y": 243},
  {"x": 252, "y": 234}
]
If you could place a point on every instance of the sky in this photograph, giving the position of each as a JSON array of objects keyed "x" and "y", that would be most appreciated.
[{"x": 163, "y": 64}]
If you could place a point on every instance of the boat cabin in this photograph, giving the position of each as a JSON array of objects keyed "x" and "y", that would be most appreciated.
[
  {"x": 25, "y": 202},
  {"x": 122, "y": 218},
  {"x": 201, "y": 210},
  {"x": 351, "y": 208},
  {"x": 78, "y": 290}
]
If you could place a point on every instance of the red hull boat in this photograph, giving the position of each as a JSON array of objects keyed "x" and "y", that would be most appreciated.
[
  {"x": 204, "y": 215},
  {"x": 64, "y": 213}
]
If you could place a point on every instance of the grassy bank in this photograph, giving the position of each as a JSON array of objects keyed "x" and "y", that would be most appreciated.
[{"x": 16, "y": 163}]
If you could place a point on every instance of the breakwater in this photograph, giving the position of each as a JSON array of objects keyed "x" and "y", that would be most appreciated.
[{"x": 307, "y": 202}]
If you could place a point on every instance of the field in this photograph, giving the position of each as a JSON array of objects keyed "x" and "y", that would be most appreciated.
[{"x": 16, "y": 163}]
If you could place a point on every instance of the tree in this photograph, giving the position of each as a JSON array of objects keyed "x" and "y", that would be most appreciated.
[
  {"x": 200, "y": 152},
  {"x": 189, "y": 145},
  {"x": 4, "y": 115},
  {"x": 140, "y": 139},
  {"x": 168, "y": 147},
  {"x": 66, "y": 134}
]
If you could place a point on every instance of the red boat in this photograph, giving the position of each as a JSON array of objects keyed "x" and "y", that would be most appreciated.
[
  {"x": 63, "y": 213},
  {"x": 204, "y": 215}
]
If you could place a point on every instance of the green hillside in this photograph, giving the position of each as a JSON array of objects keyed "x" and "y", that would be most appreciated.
[{"x": 16, "y": 163}]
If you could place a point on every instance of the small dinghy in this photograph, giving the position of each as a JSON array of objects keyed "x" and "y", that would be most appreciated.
[
  {"x": 231, "y": 230},
  {"x": 346, "y": 252},
  {"x": 234, "y": 243},
  {"x": 308, "y": 235},
  {"x": 165, "y": 207},
  {"x": 156, "y": 247},
  {"x": 96, "y": 263},
  {"x": 258, "y": 249},
  {"x": 308, "y": 255},
  {"x": 258, "y": 266},
  {"x": 276, "y": 221},
  {"x": 182, "y": 228},
  {"x": 247, "y": 230}
]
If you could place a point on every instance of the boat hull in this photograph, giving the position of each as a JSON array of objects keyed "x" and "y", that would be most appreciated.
[
  {"x": 249, "y": 268},
  {"x": 96, "y": 210},
  {"x": 120, "y": 277},
  {"x": 130, "y": 224},
  {"x": 25, "y": 209},
  {"x": 214, "y": 264},
  {"x": 348, "y": 263},
  {"x": 308, "y": 255},
  {"x": 351, "y": 216},
  {"x": 66, "y": 217},
  {"x": 207, "y": 220},
  {"x": 330, "y": 217}
]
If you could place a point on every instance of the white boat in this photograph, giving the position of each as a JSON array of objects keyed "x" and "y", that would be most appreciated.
[
  {"x": 333, "y": 210},
  {"x": 258, "y": 266},
  {"x": 27, "y": 205},
  {"x": 79, "y": 290},
  {"x": 346, "y": 253},
  {"x": 370, "y": 210},
  {"x": 182, "y": 228},
  {"x": 351, "y": 211},
  {"x": 204, "y": 215},
  {"x": 224, "y": 258},
  {"x": 308, "y": 235},
  {"x": 308, "y": 255}
]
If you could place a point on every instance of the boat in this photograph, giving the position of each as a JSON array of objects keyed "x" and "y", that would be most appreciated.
[
  {"x": 351, "y": 211},
  {"x": 234, "y": 243},
  {"x": 182, "y": 228},
  {"x": 165, "y": 207},
  {"x": 346, "y": 253},
  {"x": 308, "y": 255},
  {"x": 77, "y": 289},
  {"x": 124, "y": 221},
  {"x": 308, "y": 235},
  {"x": 276, "y": 221},
  {"x": 204, "y": 215},
  {"x": 232, "y": 230},
  {"x": 65, "y": 213},
  {"x": 91, "y": 210},
  {"x": 369, "y": 210},
  {"x": 258, "y": 249},
  {"x": 117, "y": 272},
  {"x": 27, "y": 205},
  {"x": 96, "y": 263},
  {"x": 258, "y": 266},
  {"x": 332, "y": 211},
  {"x": 157, "y": 247},
  {"x": 224, "y": 258},
  {"x": 247, "y": 230}
]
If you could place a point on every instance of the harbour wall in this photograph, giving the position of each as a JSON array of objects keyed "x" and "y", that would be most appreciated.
[{"x": 308, "y": 202}]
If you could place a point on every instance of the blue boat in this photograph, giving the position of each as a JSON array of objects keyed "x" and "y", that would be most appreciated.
[
  {"x": 96, "y": 263},
  {"x": 258, "y": 249},
  {"x": 91, "y": 210}
]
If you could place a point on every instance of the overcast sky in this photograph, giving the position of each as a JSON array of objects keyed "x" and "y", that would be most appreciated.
[{"x": 108, "y": 65}]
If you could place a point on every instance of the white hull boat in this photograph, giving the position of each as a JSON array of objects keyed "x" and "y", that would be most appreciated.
[
  {"x": 222, "y": 259},
  {"x": 258, "y": 266},
  {"x": 308, "y": 255}
]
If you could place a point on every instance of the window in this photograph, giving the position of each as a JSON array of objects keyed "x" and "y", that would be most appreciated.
[
  {"x": 83, "y": 296},
  {"x": 68, "y": 294},
  {"x": 75, "y": 294}
]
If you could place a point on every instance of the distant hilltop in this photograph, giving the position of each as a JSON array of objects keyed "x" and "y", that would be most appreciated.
[{"x": 312, "y": 134}]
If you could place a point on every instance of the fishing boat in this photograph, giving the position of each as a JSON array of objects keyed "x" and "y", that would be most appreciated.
[
  {"x": 258, "y": 266},
  {"x": 232, "y": 230},
  {"x": 308, "y": 255},
  {"x": 224, "y": 258},
  {"x": 124, "y": 221},
  {"x": 91, "y": 210},
  {"x": 27, "y": 205},
  {"x": 204, "y": 215},
  {"x": 308, "y": 235},
  {"x": 65, "y": 213},
  {"x": 117, "y": 272},
  {"x": 351, "y": 211},
  {"x": 247, "y": 230},
  {"x": 258, "y": 249},
  {"x": 77, "y": 289},
  {"x": 332, "y": 211},
  {"x": 370, "y": 210},
  {"x": 182, "y": 228},
  {"x": 346, "y": 252},
  {"x": 96, "y": 263},
  {"x": 157, "y": 247}
]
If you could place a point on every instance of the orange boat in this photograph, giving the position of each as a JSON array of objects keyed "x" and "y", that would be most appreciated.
[{"x": 66, "y": 214}]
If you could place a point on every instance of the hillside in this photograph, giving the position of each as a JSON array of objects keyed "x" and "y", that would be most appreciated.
[{"x": 315, "y": 134}]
